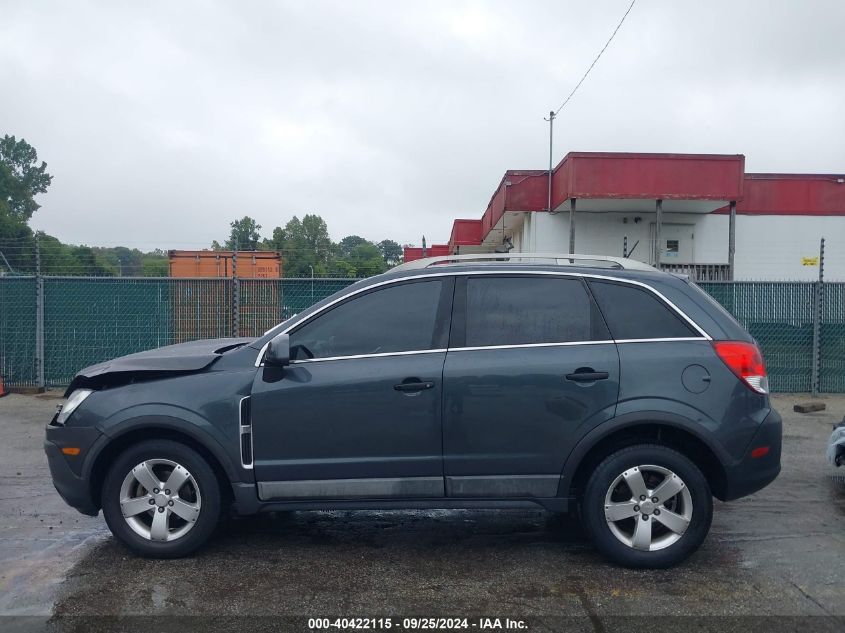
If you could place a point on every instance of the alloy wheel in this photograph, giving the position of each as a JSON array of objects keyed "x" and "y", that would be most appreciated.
[
  {"x": 160, "y": 500},
  {"x": 648, "y": 507}
]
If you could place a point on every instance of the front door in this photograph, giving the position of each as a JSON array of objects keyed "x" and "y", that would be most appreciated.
[
  {"x": 529, "y": 366},
  {"x": 357, "y": 414}
]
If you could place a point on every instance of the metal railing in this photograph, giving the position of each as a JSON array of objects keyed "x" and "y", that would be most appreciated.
[
  {"x": 50, "y": 327},
  {"x": 700, "y": 272}
]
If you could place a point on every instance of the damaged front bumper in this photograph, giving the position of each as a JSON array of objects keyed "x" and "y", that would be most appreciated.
[{"x": 68, "y": 471}]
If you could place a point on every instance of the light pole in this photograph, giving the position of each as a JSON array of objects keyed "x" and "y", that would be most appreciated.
[{"x": 551, "y": 121}]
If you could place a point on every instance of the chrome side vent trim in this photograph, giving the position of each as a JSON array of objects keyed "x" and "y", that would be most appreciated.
[{"x": 245, "y": 420}]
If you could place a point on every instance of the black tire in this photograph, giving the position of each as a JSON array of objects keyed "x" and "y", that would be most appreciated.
[
  {"x": 593, "y": 507},
  {"x": 203, "y": 476}
]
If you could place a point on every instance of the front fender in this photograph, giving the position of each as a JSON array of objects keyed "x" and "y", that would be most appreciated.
[{"x": 175, "y": 419}]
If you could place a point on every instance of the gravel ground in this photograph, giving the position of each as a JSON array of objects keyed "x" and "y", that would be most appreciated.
[{"x": 772, "y": 560}]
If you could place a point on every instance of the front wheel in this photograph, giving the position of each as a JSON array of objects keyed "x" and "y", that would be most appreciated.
[
  {"x": 161, "y": 499},
  {"x": 647, "y": 506}
]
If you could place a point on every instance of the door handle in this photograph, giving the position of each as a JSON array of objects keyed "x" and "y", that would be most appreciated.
[
  {"x": 413, "y": 386},
  {"x": 586, "y": 374}
]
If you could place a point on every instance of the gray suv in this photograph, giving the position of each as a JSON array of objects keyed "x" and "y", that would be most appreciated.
[{"x": 508, "y": 381}]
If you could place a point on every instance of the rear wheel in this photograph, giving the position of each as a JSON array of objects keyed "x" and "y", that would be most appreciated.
[
  {"x": 161, "y": 498},
  {"x": 647, "y": 506}
]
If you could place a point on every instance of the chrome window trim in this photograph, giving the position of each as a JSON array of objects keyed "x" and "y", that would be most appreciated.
[
  {"x": 259, "y": 360},
  {"x": 483, "y": 347},
  {"x": 377, "y": 355},
  {"x": 454, "y": 273},
  {"x": 668, "y": 339},
  {"x": 572, "y": 343},
  {"x": 473, "y": 348}
]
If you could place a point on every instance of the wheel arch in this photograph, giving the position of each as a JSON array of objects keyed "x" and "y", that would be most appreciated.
[
  {"x": 654, "y": 427},
  {"x": 149, "y": 428}
]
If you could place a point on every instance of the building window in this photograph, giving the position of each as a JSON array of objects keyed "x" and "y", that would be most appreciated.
[{"x": 672, "y": 248}]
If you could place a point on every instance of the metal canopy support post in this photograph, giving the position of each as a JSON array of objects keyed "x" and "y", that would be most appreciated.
[
  {"x": 658, "y": 225},
  {"x": 572, "y": 225},
  {"x": 731, "y": 240}
]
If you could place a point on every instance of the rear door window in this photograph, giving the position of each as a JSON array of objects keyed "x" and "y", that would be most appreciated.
[
  {"x": 528, "y": 310},
  {"x": 636, "y": 313}
]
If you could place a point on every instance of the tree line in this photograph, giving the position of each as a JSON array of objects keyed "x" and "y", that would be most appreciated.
[
  {"x": 307, "y": 249},
  {"x": 22, "y": 178},
  {"x": 304, "y": 244}
]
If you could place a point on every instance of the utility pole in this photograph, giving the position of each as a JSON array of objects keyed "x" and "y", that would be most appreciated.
[{"x": 551, "y": 121}]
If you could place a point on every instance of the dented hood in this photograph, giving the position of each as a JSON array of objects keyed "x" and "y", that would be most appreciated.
[{"x": 181, "y": 358}]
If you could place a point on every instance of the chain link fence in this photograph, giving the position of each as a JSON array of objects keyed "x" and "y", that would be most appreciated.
[
  {"x": 831, "y": 378},
  {"x": 88, "y": 320},
  {"x": 17, "y": 330},
  {"x": 780, "y": 317}
]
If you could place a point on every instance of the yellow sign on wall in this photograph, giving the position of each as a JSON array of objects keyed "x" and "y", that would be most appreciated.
[{"x": 809, "y": 261}]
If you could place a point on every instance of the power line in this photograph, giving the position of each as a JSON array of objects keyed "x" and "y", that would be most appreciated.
[
  {"x": 601, "y": 52},
  {"x": 554, "y": 113}
]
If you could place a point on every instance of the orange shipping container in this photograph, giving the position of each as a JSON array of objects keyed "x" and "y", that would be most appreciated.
[{"x": 250, "y": 265}]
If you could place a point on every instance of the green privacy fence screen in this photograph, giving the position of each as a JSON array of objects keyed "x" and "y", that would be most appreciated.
[
  {"x": 88, "y": 320},
  {"x": 17, "y": 330},
  {"x": 780, "y": 316},
  {"x": 832, "y": 339}
]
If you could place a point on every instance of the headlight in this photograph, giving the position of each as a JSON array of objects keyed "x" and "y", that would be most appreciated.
[{"x": 70, "y": 405}]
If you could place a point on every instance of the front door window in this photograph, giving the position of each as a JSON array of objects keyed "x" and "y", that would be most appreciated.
[{"x": 399, "y": 318}]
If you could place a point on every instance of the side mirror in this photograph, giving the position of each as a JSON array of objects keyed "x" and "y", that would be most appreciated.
[{"x": 278, "y": 351}]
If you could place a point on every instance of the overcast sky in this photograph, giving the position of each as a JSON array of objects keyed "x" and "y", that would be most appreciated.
[{"x": 163, "y": 121}]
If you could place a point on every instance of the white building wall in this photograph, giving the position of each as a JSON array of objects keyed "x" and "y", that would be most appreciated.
[
  {"x": 705, "y": 236},
  {"x": 547, "y": 233},
  {"x": 767, "y": 247},
  {"x": 771, "y": 247}
]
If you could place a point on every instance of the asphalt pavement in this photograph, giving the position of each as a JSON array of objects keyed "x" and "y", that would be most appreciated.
[{"x": 774, "y": 560}]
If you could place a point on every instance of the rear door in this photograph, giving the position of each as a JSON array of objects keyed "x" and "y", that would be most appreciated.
[{"x": 530, "y": 364}]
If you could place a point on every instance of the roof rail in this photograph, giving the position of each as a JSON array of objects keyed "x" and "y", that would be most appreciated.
[{"x": 555, "y": 259}]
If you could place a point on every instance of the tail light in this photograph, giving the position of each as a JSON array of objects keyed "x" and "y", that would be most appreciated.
[{"x": 746, "y": 361}]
